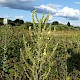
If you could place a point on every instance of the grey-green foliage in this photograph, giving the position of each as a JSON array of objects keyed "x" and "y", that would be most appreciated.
[
  {"x": 42, "y": 23},
  {"x": 36, "y": 57},
  {"x": 40, "y": 62}
]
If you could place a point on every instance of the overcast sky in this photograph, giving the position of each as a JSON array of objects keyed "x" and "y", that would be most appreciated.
[{"x": 60, "y": 10}]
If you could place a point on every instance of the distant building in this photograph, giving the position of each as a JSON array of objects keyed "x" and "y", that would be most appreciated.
[{"x": 5, "y": 21}]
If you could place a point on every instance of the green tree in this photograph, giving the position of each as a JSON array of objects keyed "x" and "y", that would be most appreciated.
[
  {"x": 18, "y": 22},
  {"x": 55, "y": 23},
  {"x": 1, "y": 21},
  {"x": 68, "y": 23}
]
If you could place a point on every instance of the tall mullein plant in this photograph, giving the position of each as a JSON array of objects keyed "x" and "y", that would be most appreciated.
[
  {"x": 40, "y": 61},
  {"x": 42, "y": 23},
  {"x": 36, "y": 58},
  {"x": 33, "y": 20}
]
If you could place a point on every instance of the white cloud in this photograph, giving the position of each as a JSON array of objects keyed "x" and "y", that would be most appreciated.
[
  {"x": 77, "y": 2},
  {"x": 7, "y": 16},
  {"x": 54, "y": 9},
  {"x": 69, "y": 13},
  {"x": 19, "y": 17},
  {"x": 45, "y": 9},
  {"x": 28, "y": 5},
  {"x": 55, "y": 6},
  {"x": 18, "y": 4}
]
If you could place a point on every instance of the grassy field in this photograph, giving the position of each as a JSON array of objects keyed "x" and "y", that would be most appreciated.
[
  {"x": 39, "y": 53},
  {"x": 63, "y": 64}
]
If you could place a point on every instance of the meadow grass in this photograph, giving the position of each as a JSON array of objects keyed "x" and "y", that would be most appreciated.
[{"x": 39, "y": 53}]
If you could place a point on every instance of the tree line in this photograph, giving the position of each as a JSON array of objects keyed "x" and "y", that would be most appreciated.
[
  {"x": 54, "y": 24},
  {"x": 16, "y": 22}
]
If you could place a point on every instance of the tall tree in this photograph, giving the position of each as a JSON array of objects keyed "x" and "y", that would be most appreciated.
[
  {"x": 55, "y": 23},
  {"x": 18, "y": 22},
  {"x": 68, "y": 24}
]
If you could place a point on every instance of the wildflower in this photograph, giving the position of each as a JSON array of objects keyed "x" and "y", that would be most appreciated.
[
  {"x": 49, "y": 32},
  {"x": 44, "y": 52}
]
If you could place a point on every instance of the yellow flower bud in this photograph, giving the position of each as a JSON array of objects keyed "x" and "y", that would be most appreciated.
[
  {"x": 48, "y": 32},
  {"x": 44, "y": 52}
]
